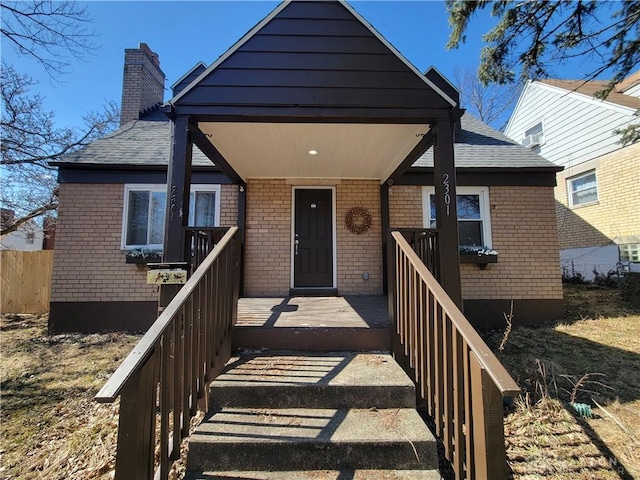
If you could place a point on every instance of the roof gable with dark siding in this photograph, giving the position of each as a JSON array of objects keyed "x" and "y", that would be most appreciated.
[
  {"x": 187, "y": 78},
  {"x": 314, "y": 55}
]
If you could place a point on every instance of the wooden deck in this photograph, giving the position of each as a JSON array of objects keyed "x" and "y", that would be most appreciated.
[{"x": 357, "y": 322}]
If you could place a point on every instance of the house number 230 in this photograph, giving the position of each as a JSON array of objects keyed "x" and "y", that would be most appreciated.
[{"x": 447, "y": 189}]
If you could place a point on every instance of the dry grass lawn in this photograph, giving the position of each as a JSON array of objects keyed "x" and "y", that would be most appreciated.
[
  {"x": 593, "y": 357},
  {"x": 52, "y": 428}
]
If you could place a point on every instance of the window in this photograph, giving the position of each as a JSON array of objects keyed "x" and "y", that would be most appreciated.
[
  {"x": 582, "y": 189},
  {"x": 534, "y": 136},
  {"x": 31, "y": 238},
  {"x": 144, "y": 212},
  {"x": 474, "y": 224},
  {"x": 629, "y": 252}
]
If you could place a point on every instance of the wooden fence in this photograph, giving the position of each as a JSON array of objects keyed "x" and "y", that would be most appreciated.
[{"x": 25, "y": 281}]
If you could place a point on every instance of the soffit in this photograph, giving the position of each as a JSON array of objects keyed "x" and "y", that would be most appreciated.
[{"x": 281, "y": 150}]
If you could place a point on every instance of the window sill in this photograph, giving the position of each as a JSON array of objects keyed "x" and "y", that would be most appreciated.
[
  {"x": 480, "y": 260},
  {"x": 582, "y": 205}
]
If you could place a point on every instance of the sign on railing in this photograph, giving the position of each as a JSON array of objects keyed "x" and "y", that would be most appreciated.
[{"x": 166, "y": 376}]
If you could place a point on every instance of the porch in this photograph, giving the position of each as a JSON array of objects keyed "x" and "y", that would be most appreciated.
[
  {"x": 349, "y": 323},
  {"x": 178, "y": 365},
  {"x": 281, "y": 124}
]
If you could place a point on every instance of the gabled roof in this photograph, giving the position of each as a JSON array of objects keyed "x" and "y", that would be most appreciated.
[
  {"x": 140, "y": 143},
  {"x": 187, "y": 78},
  {"x": 311, "y": 55},
  {"x": 591, "y": 87},
  {"x": 480, "y": 146},
  {"x": 146, "y": 143}
]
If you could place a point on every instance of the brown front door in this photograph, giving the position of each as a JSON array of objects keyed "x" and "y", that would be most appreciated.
[{"x": 313, "y": 238}]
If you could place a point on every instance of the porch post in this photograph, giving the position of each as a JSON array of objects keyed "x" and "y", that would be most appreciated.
[
  {"x": 385, "y": 222},
  {"x": 242, "y": 224},
  {"x": 177, "y": 208},
  {"x": 178, "y": 189},
  {"x": 444, "y": 178}
]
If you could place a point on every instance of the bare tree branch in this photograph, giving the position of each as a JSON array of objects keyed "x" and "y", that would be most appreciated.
[
  {"x": 47, "y": 31},
  {"x": 30, "y": 140},
  {"x": 490, "y": 103},
  {"x": 38, "y": 212}
]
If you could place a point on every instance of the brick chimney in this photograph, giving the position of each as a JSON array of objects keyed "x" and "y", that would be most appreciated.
[{"x": 143, "y": 83}]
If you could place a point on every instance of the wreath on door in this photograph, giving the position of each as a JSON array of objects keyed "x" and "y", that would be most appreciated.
[{"x": 358, "y": 220}]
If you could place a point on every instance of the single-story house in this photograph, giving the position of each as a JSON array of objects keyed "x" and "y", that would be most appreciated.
[{"x": 315, "y": 136}]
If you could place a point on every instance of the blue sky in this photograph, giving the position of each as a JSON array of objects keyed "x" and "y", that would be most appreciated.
[{"x": 183, "y": 33}]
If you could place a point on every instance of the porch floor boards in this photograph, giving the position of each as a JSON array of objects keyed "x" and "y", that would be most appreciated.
[{"x": 352, "y": 322}]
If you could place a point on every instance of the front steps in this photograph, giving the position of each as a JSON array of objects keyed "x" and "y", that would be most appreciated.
[{"x": 298, "y": 416}]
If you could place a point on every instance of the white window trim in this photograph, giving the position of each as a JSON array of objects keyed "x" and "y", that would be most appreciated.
[
  {"x": 159, "y": 187},
  {"x": 569, "y": 184},
  {"x": 485, "y": 207}
]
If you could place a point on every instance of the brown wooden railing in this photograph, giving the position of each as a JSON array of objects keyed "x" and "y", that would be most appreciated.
[
  {"x": 461, "y": 381},
  {"x": 166, "y": 376},
  {"x": 424, "y": 241},
  {"x": 199, "y": 241}
]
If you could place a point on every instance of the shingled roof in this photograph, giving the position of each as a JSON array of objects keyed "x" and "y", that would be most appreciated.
[
  {"x": 146, "y": 143},
  {"x": 480, "y": 146},
  {"x": 591, "y": 87}
]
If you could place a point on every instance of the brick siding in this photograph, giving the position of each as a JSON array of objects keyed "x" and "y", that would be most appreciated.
[
  {"x": 359, "y": 254},
  {"x": 268, "y": 238},
  {"x": 228, "y": 205},
  {"x": 617, "y": 211},
  {"x": 405, "y": 206},
  {"x": 89, "y": 264},
  {"x": 524, "y": 234}
]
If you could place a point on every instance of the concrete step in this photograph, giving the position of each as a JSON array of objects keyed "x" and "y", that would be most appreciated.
[
  {"x": 294, "y": 380},
  {"x": 289, "y": 415},
  {"x": 320, "y": 475},
  {"x": 239, "y": 439}
]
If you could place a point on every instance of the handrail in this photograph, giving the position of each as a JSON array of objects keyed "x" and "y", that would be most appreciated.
[
  {"x": 459, "y": 378},
  {"x": 425, "y": 243},
  {"x": 164, "y": 379},
  {"x": 199, "y": 241},
  {"x": 140, "y": 353}
]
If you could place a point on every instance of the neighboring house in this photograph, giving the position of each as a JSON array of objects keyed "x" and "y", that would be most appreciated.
[
  {"x": 28, "y": 237},
  {"x": 306, "y": 121},
  {"x": 598, "y": 192}
]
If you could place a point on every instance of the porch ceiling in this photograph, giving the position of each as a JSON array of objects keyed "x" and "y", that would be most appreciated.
[{"x": 344, "y": 150}]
